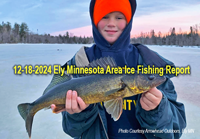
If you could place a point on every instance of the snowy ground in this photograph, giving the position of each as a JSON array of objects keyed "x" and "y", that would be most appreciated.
[{"x": 16, "y": 89}]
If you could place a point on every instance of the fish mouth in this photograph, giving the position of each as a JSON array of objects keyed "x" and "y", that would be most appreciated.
[
  {"x": 164, "y": 79},
  {"x": 160, "y": 81}
]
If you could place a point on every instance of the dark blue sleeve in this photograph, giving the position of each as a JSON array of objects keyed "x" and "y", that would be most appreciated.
[
  {"x": 168, "y": 118},
  {"x": 75, "y": 124}
]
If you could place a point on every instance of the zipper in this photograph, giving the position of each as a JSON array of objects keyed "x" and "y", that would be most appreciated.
[{"x": 103, "y": 126}]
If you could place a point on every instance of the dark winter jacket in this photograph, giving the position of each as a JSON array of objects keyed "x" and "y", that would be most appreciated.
[
  {"x": 169, "y": 115},
  {"x": 92, "y": 122}
]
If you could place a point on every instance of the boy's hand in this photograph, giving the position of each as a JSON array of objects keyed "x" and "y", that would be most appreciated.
[
  {"x": 151, "y": 99},
  {"x": 73, "y": 104}
]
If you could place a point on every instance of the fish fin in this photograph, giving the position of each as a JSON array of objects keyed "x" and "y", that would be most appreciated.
[
  {"x": 57, "y": 79},
  {"x": 115, "y": 90},
  {"x": 47, "y": 108},
  {"x": 59, "y": 107},
  {"x": 111, "y": 91},
  {"x": 29, "y": 121},
  {"x": 103, "y": 62},
  {"x": 114, "y": 107},
  {"x": 24, "y": 110}
]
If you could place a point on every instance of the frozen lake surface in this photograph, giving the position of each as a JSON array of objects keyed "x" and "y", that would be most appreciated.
[{"x": 16, "y": 89}]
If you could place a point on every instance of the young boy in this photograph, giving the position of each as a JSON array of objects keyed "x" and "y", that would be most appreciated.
[{"x": 154, "y": 114}]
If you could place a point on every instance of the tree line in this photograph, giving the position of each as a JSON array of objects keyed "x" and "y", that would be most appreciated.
[
  {"x": 20, "y": 33},
  {"x": 171, "y": 38}
]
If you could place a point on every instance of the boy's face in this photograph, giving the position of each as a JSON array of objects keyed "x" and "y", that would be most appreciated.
[{"x": 111, "y": 26}]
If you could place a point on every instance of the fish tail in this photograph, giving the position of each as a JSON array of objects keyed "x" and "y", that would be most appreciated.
[{"x": 25, "y": 111}]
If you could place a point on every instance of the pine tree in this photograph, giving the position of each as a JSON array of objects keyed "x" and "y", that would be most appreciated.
[{"x": 23, "y": 32}]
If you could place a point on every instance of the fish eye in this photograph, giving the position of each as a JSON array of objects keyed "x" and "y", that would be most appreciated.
[{"x": 151, "y": 77}]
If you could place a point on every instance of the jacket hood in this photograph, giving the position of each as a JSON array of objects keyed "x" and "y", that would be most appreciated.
[
  {"x": 122, "y": 51},
  {"x": 122, "y": 43}
]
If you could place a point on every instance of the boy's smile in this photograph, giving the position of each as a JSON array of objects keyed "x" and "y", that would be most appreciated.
[
  {"x": 111, "y": 31},
  {"x": 111, "y": 26}
]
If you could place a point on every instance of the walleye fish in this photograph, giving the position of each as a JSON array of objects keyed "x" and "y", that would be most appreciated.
[{"x": 92, "y": 89}]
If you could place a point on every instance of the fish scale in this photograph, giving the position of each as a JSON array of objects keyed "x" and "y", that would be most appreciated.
[{"x": 92, "y": 89}]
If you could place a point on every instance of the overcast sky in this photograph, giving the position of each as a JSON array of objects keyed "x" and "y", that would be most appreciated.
[{"x": 57, "y": 16}]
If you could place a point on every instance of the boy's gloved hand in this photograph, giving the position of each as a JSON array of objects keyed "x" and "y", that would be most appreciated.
[
  {"x": 151, "y": 99},
  {"x": 73, "y": 104}
]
